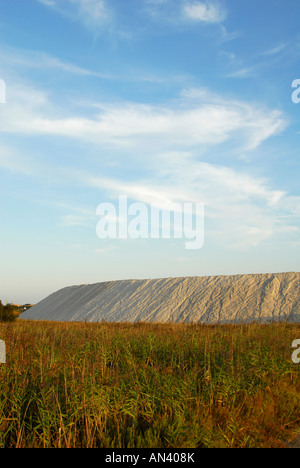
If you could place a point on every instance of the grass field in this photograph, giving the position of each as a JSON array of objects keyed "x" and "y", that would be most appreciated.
[{"x": 148, "y": 385}]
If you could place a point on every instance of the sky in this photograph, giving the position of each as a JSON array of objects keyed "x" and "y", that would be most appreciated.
[{"x": 165, "y": 102}]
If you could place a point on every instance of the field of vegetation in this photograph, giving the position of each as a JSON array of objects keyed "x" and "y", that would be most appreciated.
[
  {"x": 148, "y": 385},
  {"x": 8, "y": 312}
]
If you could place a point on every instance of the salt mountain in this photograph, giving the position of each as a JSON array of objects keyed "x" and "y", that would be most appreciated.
[{"x": 210, "y": 300}]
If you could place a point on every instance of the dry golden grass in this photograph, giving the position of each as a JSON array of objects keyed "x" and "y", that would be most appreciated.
[{"x": 148, "y": 385}]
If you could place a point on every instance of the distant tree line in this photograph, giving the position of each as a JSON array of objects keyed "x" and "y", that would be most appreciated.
[{"x": 8, "y": 312}]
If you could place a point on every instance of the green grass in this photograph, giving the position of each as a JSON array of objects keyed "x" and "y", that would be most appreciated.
[{"x": 148, "y": 385}]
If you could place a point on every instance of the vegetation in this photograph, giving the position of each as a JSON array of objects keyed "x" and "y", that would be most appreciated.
[
  {"x": 148, "y": 385},
  {"x": 8, "y": 312}
]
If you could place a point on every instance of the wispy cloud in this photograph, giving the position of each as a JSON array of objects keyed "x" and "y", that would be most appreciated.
[
  {"x": 74, "y": 220},
  {"x": 94, "y": 14},
  {"x": 184, "y": 12},
  {"x": 177, "y": 140},
  {"x": 245, "y": 72},
  {"x": 105, "y": 250},
  {"x": 241, "y": 211},
  {"x": 41, "y": 60},
  {"x": 207, "y": 12},
  {"x": 275, "y": 50},
  {"x": 257, "y": 63},
  {"x": 196, "y": 119},
  {"x": 49, "y": 3},
  {"x": 32, "y": 60}
]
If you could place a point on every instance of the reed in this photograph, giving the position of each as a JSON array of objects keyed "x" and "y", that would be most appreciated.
[{"x": 121, "y": 385}]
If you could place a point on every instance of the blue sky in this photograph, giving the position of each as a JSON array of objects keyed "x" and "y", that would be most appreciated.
[{"x": 165, "y": 101}]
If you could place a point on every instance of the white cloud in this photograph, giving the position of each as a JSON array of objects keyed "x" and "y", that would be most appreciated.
[
  {"x": 10, "y": 162},
  {"x": 52, "y": 62},
  {"x": 181, "y": 12},
  {"x": 241, "y": 211},
  {"x": 245, "y": 72},
  {"x": 16, "y": 58},
  {"x": 176, "y": 142},
  {"x": 105, "y": 250},
  {"x": 39, "y": 60},
  {"x": 73, "y": 220},
  {"x": 49, "y": 3},
  {"x": 207, "y": 12},
  {"x": 276, "y": 50},
  {"x": 197, "y": 119},
  {"x": 92, "y": 13}
]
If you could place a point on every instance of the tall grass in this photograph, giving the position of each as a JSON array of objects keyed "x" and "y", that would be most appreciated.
[{"x": 148, "y": 385}]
